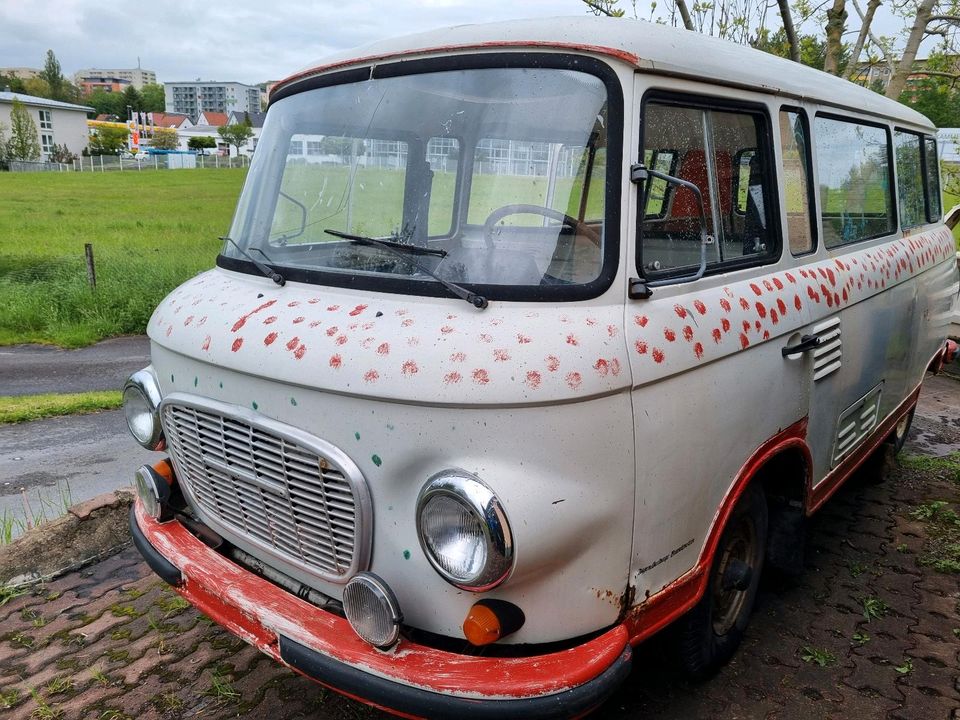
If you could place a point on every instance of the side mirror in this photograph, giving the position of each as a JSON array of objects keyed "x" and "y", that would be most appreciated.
[{"x": 640, "y": 174}]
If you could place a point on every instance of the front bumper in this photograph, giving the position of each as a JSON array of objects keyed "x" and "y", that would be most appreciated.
[{"x": 411, "y": 680}]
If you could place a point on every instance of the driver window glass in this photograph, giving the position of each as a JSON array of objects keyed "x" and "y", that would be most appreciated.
[
  {"x": 720, "y": 152},
  {"x": 443, "y": 154},
  {"x": 508, "y": 172},
  {"x": 314, "y": 189}
]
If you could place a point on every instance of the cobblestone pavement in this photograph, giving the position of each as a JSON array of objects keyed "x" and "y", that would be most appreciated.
[{"x": 872, "y": 629}]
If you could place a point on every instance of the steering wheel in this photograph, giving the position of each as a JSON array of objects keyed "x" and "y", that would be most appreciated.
[{"x": 520, "y": 208}]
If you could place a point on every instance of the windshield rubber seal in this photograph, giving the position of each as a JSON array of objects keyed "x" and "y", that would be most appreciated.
[{"x": 495, "y": 60}]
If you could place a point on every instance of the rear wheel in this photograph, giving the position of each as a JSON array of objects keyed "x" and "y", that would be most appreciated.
[
  {"x": 708, "y": 635},
  {"x": 876, "y": 467}
]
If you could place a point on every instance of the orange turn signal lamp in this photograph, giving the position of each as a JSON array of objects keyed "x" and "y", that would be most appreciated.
[
  {"x": 490, "y": 620},
  {"x": 164, "y": 469}
]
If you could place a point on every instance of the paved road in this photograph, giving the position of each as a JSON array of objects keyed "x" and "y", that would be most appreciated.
[{"x": 36, "y": 369}]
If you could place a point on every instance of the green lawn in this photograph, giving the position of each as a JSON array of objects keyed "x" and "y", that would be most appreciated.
[{"x": 150, "y": 231}]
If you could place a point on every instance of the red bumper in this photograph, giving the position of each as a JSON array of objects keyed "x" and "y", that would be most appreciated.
[{"x": 411, "y": 680}]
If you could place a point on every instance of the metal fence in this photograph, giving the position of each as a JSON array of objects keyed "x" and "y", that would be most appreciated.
[{"x": 113, "y": 163}]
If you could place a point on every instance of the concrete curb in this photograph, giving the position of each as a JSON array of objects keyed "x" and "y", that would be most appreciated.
[{"x": 86, "y": 533}]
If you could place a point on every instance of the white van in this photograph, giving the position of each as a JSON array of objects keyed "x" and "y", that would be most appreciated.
[{"x": 530, "y": 339}]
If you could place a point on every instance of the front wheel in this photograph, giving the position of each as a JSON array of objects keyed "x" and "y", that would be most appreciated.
[{"x": 708, "y": 635}]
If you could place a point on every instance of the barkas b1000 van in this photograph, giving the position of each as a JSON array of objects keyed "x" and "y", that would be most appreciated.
[{"x": 527, "y": 341}]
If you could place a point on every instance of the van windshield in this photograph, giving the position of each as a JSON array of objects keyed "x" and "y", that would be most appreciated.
[{"x": 502, "y": 169}]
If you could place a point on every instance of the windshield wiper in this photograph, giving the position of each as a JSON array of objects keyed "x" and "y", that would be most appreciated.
[
  {"x": 403, "y": 252},
  {"x": 267, "y": 272}
]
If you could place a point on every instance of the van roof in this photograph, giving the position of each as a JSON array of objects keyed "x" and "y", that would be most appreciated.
[{"x": 646, "y": 46}]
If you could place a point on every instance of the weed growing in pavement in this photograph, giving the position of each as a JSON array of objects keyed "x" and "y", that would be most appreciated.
[
  {"x": 172, "y": 605},
  {"x": 857, "y": 569},
  {"x": 74, "y": 639},
  {"x": 133, "y": 593},
  {"x": 903, "y": 548},
  {"x": 60, "y": 684},
  {"x": 99, "y": 677},
  {"x": 817, "y": 656},
  {"x": 874, "y": 608},
  {"x": 221, "y": 689},
  {"x": 114, "y": 714},
  {"x": 861, "y": 638},
  {"x": 124, "y": 611},
  {"x": 8, "y": 593},
  {"x": 167, "y": 703},
  {"x": 905, "y": 668},
  {"x": 118, "y": 655},
  {"x": 121, "y": 634},
  {"x": 9, "y": 698},
  {"x": 22, "y": 640},
  {"x": 941, "y": 548},
  {"x": 44, "y": 710},
  {"x": 929, "y": 463}
]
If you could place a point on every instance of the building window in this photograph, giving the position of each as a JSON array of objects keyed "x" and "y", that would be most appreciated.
[
  {"x": 46, "y": 120},
  {"x": 46, "y": 143}
]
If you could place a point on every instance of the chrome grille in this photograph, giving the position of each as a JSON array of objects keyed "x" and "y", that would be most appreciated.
[{"x": 269, "y": 484}]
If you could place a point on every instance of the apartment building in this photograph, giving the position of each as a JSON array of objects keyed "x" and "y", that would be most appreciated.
[
  {"x": 138, "y": 77},
  {"x": 195, "y": 98}
]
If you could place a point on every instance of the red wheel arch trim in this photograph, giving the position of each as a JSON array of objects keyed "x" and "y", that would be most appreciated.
[{"x": 679, "y": 596}]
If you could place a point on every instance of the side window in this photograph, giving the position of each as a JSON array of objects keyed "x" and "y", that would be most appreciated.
[
  {"x": 722, "y": 153},
  {"x": 935, "y": 210},
  {"x": 855, "y": 181},
  {"x": 795, "y": 141},
  {"x": 909, "y": 178},
  {"x": 443, "y": 154}
]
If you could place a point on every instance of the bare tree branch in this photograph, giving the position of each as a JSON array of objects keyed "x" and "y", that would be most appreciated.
[
  {"x": 865, "y": 22},
  {"x": 836, "y": 19},
  {"x": 685, "y": 14},
  {"x": 788, "y": 28},
  {"x": 899, "y": 79}
]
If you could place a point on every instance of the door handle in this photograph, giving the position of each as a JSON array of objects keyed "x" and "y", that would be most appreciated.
[{"x": 807, "y": 342}]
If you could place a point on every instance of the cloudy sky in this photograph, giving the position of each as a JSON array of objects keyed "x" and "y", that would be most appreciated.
[{"x": 241, "y": 40}]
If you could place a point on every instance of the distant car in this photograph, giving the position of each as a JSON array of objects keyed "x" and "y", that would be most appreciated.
[{"x": 139, "y": 155}]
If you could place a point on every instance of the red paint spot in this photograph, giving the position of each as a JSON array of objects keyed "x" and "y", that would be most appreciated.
[
  {"x": 767, "y": 285},
  {"x": 293, "y": 343},
  {"x": 774, "y": 317},
  {"x": 781, "y": 306},
  {"x": 845, "y": 296},
  {"x": 687, "y": 333},
  {"x": 601, "y": 366},
  {"x": 698, "y": 350},
  {"x": 833, "y": 278},
  {"x": 270, "y": 320},
  {"x": 823, "y": 273},
  {"x": 725, "y": 304},
  {"x": 484, "y": 337},
  {"x": 315, "y": 323},
  {"x": 371, "y": 376},
  {"x": 169, "y": 330},
  {"x": 744, "y": 304},
  {"x": 293, "y": 304},
  {"x": 746, "y": 326},
  {"x": 409, "y": 368},
  {"x": 641, "y": 347},
  {"x": 452, "y": 378},
  {"x": 725, "y": 324},
  {"x": 680, "y": 311},
  {"x": 341, "y": 339},
  {"x": 701, "y": 308},
  {"x": 357, "y": 310},
  {"x": 803, "y": 273},
  {"x": 716, "y": 335},
  {"x": 407, "y": 323},
  {"x": 300, "y": 352},
  {"x": 331, "y": 331},
  {"x": 829, "y": 298},
  {"x": 243, "y": 319},
  {"x": 591, "y": 321},
  {"x": 669, "y": 334},
  {"x": 298, "y": 320},
  {"x": 758, "y": 325},
  {"x": 481, "y": 377},
  {"x": 523, "y": 339},
  {"x": 756, "y": 289},
  {"x": 401, "y": 313},
  {"x": 188, "y": 320},
  {"x": 206, "y": 343},
  {"x": 458, "y": 357},
  {"x": 791, "y": 278},
  {"x": 836, "y": 300},
  {"x": 573, "y": 380},
  {"x": 383, "y": 349},
  {"x": 553, "y": 363},
  {"x": 813, "y": 294},
  {"x": 761, "y": 310},
  {"x": 446, "y": 329},
  {"x": 614, "y": 367},
  {"x": 313, "y": 301},
  {"x": 501, "y": 355},
  {"x": 779, "y": 285},
  {"x": 744, "y": 341},
  {"x": 336, "y": 361},
  {"x": 268, "y": 340},
  {"x": 658, "y": 355},
  {"x": 612, "y": 330},
  {"x": 236, "y": 344},
  {"x": 766, "y": 334},
  {"x": 640, "y": 320},
  {"x": 533, "y": 379},
  {"x": 572, "y": 340}
]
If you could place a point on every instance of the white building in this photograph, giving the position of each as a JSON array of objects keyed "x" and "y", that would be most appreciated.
[
  {"x": 194, "y": 98},
  {"x": 948, "y": 140},
  {"x": 138, "y": 77},
  {"x": 58, "y": 123}
]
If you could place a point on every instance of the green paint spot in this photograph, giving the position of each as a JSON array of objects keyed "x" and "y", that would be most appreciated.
[
  {"x": 196, "y": 380},
  {"x": 254, "y": 405},
  {"x": 356, "y": 435},
  {"x": 377, "y": 461},
  {"x": 293, "y": 401},
  {"x": 406, "y": 554}
]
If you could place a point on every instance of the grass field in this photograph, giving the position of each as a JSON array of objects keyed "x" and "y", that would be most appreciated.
[{"x": 150, "y": 231}]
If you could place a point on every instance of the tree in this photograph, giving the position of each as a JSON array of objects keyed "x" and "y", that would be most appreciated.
[
  {"x": 62, "y": 154},
  {"x": 13, "y": 84},
  {"x": 236, "y": 134},
  {"x": 108, "y": 141},
  {"x": 153, "y": 98},
  {"x": 37, "y": 87},
  {"x": 3, "y": 146},
  {"x": 164, "y": 139},
  {"x": 24, "y": 143},
  {"x": 132, "y": 99},
  {"x": 200, "y": 143},
  {"x": 107, "y": 103},
  {"x": 53, "y": 76}
]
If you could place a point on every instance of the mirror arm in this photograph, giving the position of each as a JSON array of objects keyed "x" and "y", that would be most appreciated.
[{"x": 639, "y": 288}]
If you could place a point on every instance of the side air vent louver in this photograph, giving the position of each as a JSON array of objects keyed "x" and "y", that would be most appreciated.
[
  {"x": 856, "y": 423},
  {"x": 827, "y": 357}
]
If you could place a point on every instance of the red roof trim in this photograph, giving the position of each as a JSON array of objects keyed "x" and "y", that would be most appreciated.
[{"x": 627, "y": 57}]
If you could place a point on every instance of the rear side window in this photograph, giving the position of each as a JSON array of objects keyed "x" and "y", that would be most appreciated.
[
  {"x": 795, "y": 141},
  {"x": 910, "y": 198},
  {"x": 724, "y": 153},
  {"x": 853, "y": 164},
  {"x": 935, "y": 210}
]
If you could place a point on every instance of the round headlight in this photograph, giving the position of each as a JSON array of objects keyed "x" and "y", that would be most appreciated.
[
  {"x": 141, "y": 398},
  {"x": 464, "y": 531},
  {"x": 372, "y": 610}
]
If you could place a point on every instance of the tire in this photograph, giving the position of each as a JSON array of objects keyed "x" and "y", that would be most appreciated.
[
  {"x": 899, "y": 435},
  {"x": 707, "y": 636},
  {"x": 876, "y": 467}
]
